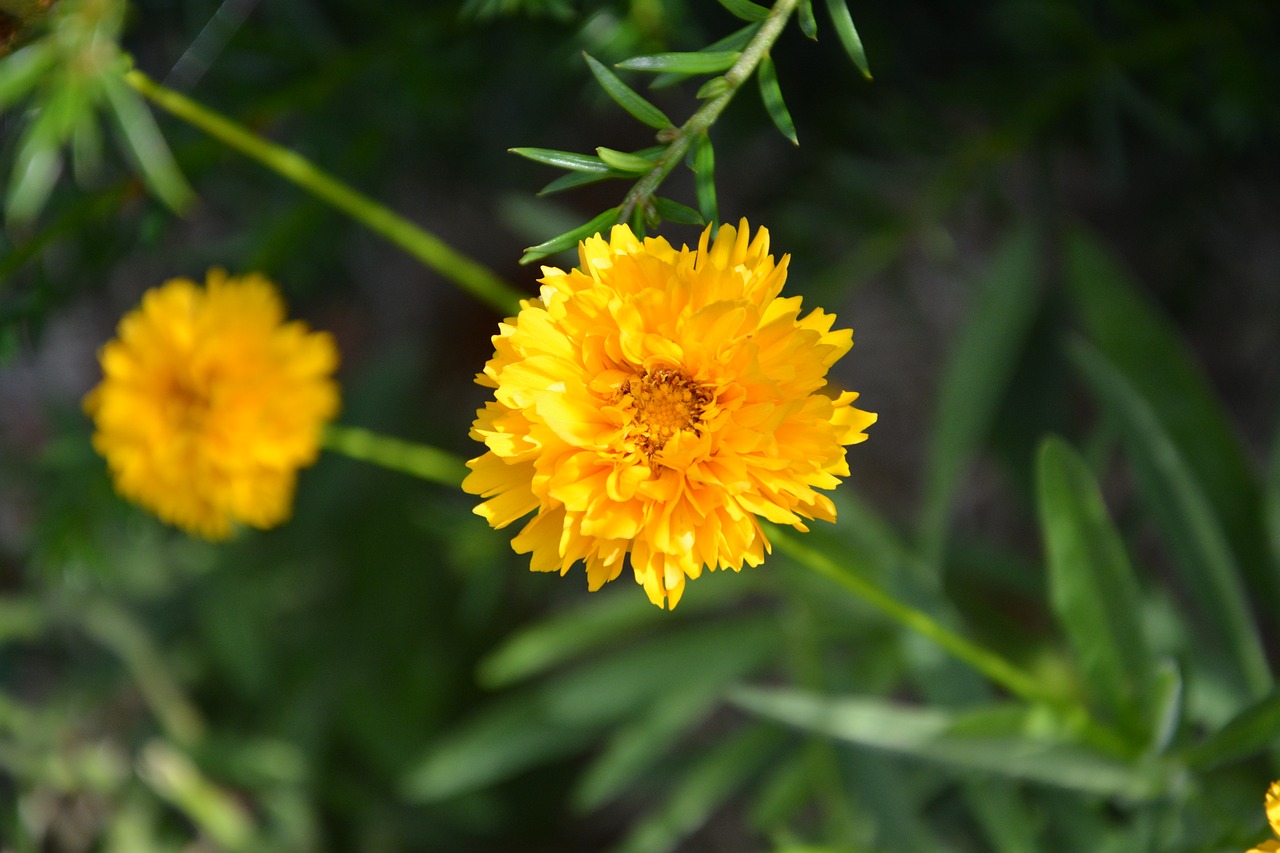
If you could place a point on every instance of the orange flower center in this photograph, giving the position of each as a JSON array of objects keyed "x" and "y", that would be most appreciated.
[{"x": 665, "y": 401}]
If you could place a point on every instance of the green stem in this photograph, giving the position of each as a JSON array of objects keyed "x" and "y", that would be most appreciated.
[
  {"x": 471, "y": 276},
  {"x": 987, "y": 662},
  {"x": 701, "y": 121},
  {"x": 417, "y": 460}
]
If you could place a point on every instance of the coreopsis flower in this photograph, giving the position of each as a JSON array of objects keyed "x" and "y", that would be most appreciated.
[
  {"x": 654, "y": 404},
  {"x": 210, "y": 403},
  {"x": 1272, "y": 804}
]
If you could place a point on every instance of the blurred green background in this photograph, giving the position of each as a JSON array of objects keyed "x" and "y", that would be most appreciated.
[{"x": 1041, "y": 217}]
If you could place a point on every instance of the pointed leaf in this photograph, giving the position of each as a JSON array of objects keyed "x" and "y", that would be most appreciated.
[
  {"x": 569, "y": 239},
  {"x": 696, "y": 62},
  {"x": 626, "y": 97},
  {"x": 1250, "y": 732},
  {"x": 570, "y": 180},
  {"x": 808, "y": 23},
  {"x": 563, "y": 159},
  {"x": 1184, "y": 513},
  {"x": 771, "y": 94},
  {"x": 21, "y": 70},
  {"x": 1010, "y": 741},
  {"x": 746, "y": 10},
  {"x": 714, "y": 87},
  {"x": 704, "y": 169},
  {"x": 145, "y": 142},
  {"x": 621, "y": 161},
  {"x": 735, "y": 41},
  {"x": 673, "y": 211},
  {"x": 848, "y": 35},
  {"x": 1093, "y": 589}
]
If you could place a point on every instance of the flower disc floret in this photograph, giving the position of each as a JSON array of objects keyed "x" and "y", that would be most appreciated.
[
  {"x": 654, "y": 404},
  {"x": 210, "y": 402}
]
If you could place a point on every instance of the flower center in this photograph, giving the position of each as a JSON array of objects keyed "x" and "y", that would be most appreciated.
[{"x": 666, "y": 401}]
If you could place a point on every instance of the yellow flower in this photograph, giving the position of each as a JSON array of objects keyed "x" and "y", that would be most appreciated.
[
  {"x": 657, "y": 403},
  {"x": 210, "y": 403},
  {"x": 1272, "y": 804}
]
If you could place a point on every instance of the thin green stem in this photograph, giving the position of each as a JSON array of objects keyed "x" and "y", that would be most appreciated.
[
  {"x": 471, "y": 276},
  {"x": 702, "y": 120},
  {"x": 985, "y": 661},
  {"x": 407, "y": 457}
]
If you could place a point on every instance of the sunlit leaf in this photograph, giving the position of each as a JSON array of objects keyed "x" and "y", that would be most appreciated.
[
  {"x": 22, "y": 70},
  {"x": 569, "y": 239},
  {"x": 626, "y": 97},
  {"x": 563, "y": 159},
  {"x": 696, "y": 62},
  {"x": 734, "y": 42},
  {"x": 771, "y": 94},
  {"x": 746, "y": 10},
  {"x": 848, "y": 35},
  {"x": 621, "y": 161},
  {"x": 1093, "y": 589},
  {"x": 1009, "y": 741}
]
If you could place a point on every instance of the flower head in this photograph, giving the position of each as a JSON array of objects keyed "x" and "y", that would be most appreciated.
[
  {"x": 654, "y": 404},
  {"x": 1272, "y": 804},
  {"x": 210, "y": 403}
]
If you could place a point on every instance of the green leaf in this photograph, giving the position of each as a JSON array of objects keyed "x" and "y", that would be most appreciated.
[
  {"x": 571, "y": 180},
  {"x": 569, "y": 239},
  {"x": 35, "y": 171},
  {"x": 1010, "y": 741},
  {"x": 1093, "y": 590},
  {"x": 704, "y": 172},
  {"x": 21, "y": 70},
  {"x": 1250, "y": 732},
  {"x": 1271, "y": 504},
  {"x": 808, "y": 23},
  {"x": 673, "y": 211},
  {"x": 746, "y": 10},
  {"x": 735, "y": 41},
  {"x": 975, "y": 379},
  {"x": 621, "y": 161},
  {"x": 1184, "y": 513},
  {"x": 1144, "y": 346},
  {"x": 848, "y": 35},
  {"x": 712, "y": 780},
  {"x": 563, "y": 159},
  {"x": 714, "y": 87},
  {"x": 696, "y": 62},
  {"x": 771, "y": 94},
  {"x": 626, "y": 97},
  {"x": 146, "y": 144}
]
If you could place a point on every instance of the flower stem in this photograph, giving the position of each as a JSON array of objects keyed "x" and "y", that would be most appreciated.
[
  {"x": 700, "y": 122},
  {"x": 407, "y": 457},
  {"x": 471, "y": 276},
  {"x": 985, "y": 661}
]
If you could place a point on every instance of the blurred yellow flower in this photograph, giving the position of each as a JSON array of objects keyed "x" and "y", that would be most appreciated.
[
  {"x": 656, "y": 403},
  {"x": 1273, "y": 815},
  {"x": 210, "y": 402}
]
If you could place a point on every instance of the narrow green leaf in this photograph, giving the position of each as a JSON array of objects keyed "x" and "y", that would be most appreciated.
[
  {"x": 145, "y": 142},
  {"x": 808, "y": 23},
  {"x": 735, "y": 41},
  {"x": 771, "y": 94},
  {"x": 1093, "y": 590},
  {"x": 570, "y": 180},
  {"x": 569, "y": 239},
  {"x": 975, "y": 379},
  {"x": 704, "y": 172},
  {"x": 1271, "y": 503},
  {"x": 673, "y": 211},
  {"x": 621, "y": 161},
  {"x": 1250, "y": 732},
  {"x": 35, "y": 171},
  {"x": 848, "y": 35},
  {"x": 1184, "y": 513},
  {"x": 712, "y": 88},
  {"x": 563, "y": 159},
  {"x": 626, "y": 97},
  {"x": 21, "y": 70},
  {"x": 1011, "y": 741},
  {"x": 711, "y": 781},
  {"x": 746, "y": 10},
  {"x": 695, "y": 62},
  {"x": 1142, "y": 343}
]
